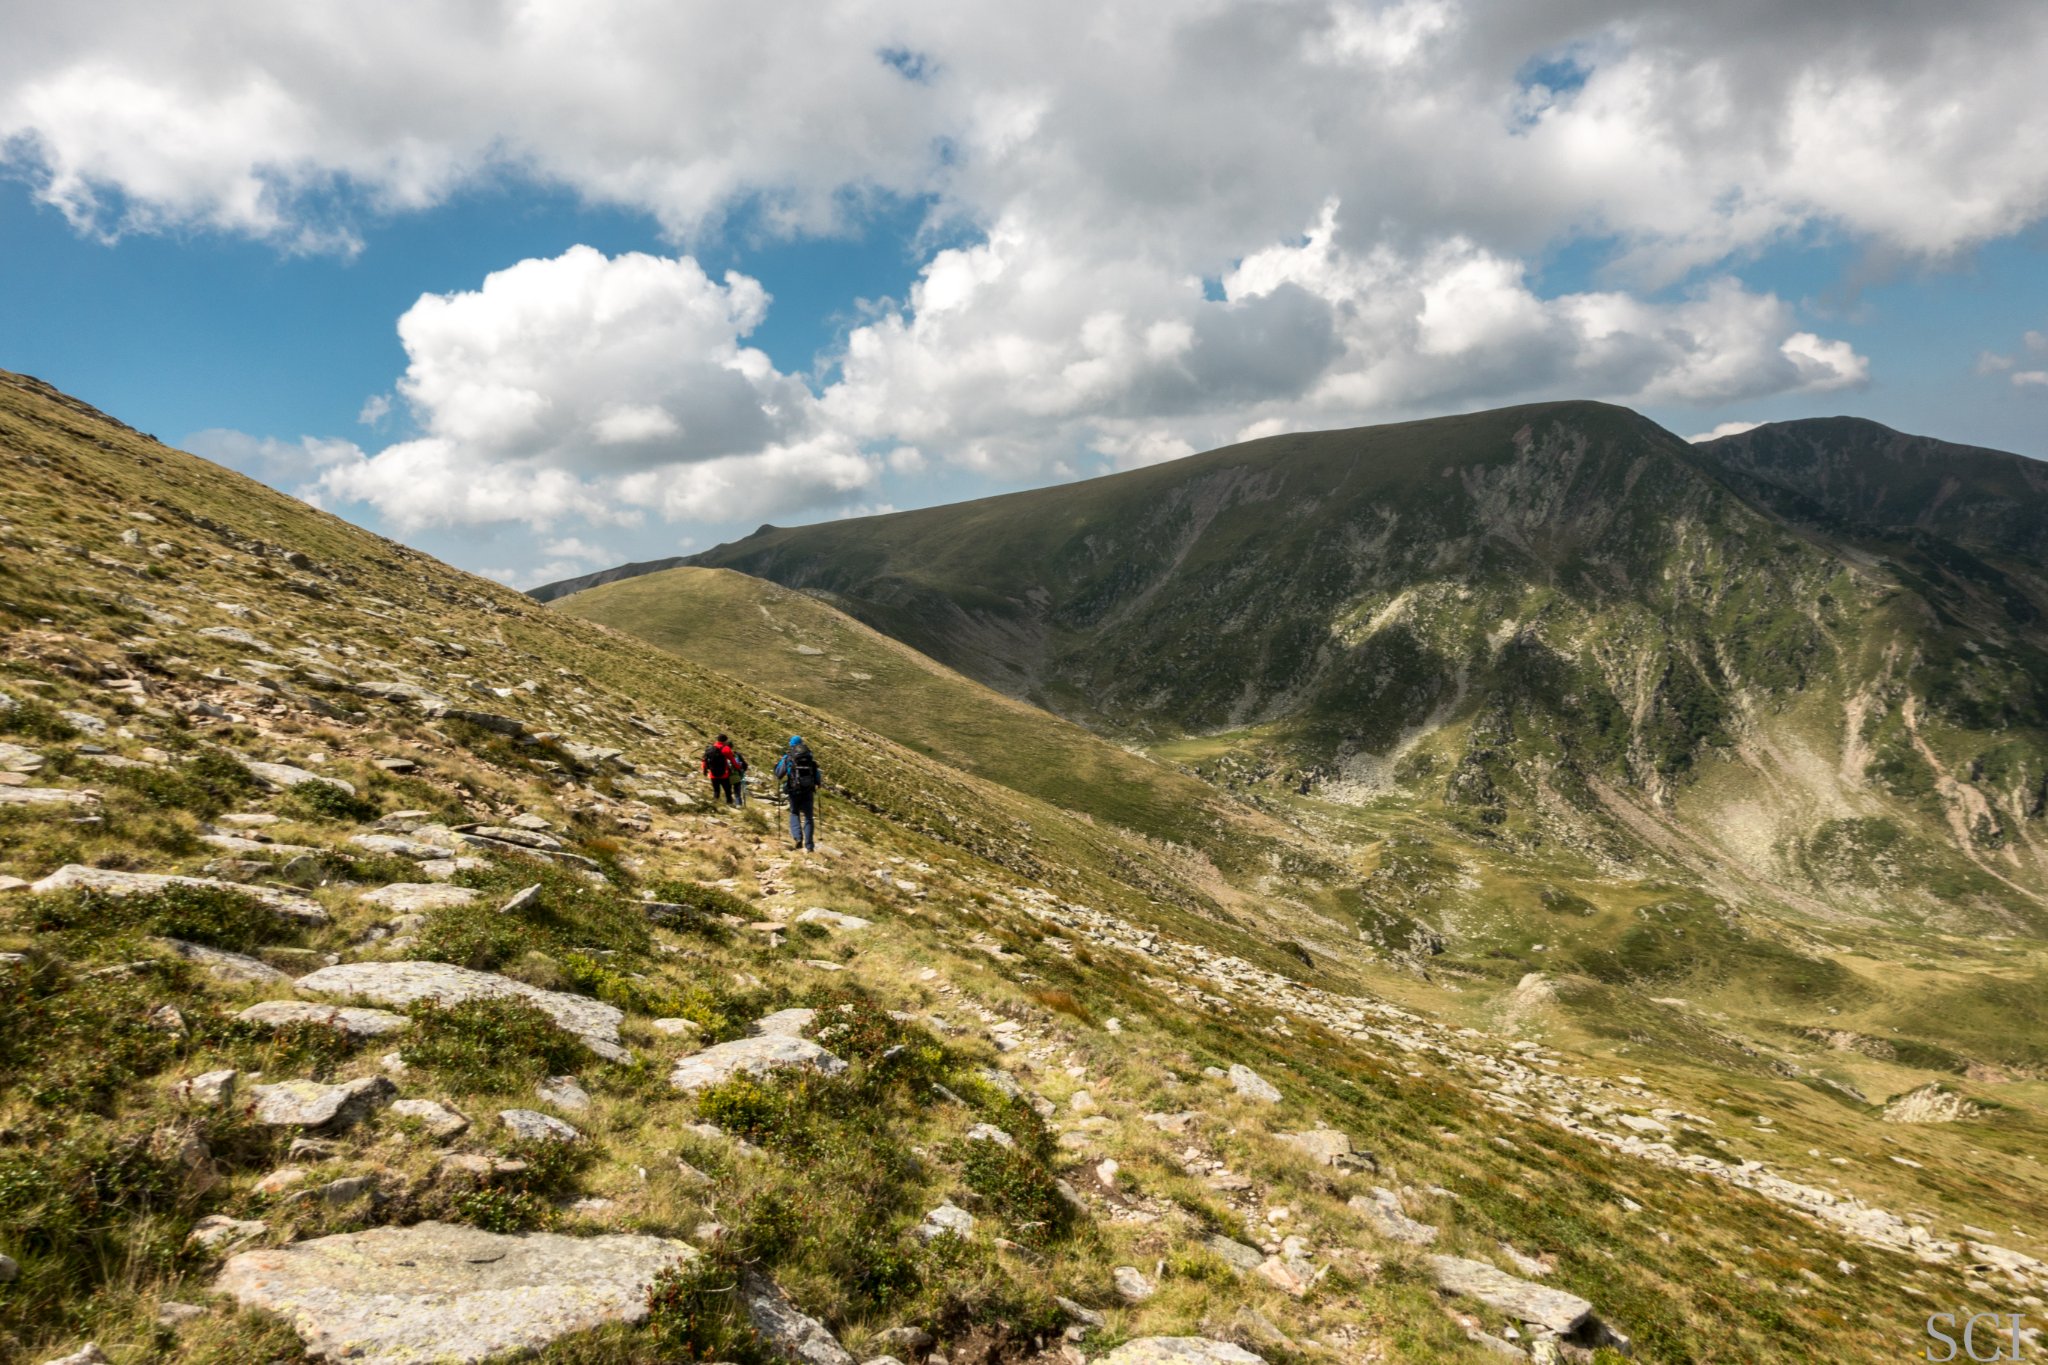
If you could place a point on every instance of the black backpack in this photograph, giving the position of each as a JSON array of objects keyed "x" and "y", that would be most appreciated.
[
  {"x": 803, "y": 772},
  {"x": 715, "y": 763}
]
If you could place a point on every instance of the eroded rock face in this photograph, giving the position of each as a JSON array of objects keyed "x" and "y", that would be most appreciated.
[
  {"x": 442, "y": 1293},
  {"x": 752, "y": 1056},
  {"x": 406, "y": 983},
  {"x": 72, "y": 876}
]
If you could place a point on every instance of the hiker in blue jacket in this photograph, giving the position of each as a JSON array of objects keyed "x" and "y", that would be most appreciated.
[{"x": 798, "y": 772}]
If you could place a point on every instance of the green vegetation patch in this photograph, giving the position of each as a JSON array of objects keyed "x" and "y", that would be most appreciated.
[
  {"x": 490, "y": 1044},
  {"x": 91, "y": 923}
]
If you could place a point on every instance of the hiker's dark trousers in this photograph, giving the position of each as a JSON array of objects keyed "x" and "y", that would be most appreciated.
[
  {"x": 721, "y": 790},
  {"x": 803, "y": 824}
]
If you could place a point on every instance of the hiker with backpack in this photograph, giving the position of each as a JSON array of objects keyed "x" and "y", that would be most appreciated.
[
  {"x": 719, "y": 765},
  {"x": 798, "y": 772},
  {"x": 739, "y": 775}
]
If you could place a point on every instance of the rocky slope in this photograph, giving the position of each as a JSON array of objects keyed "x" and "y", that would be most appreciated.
[
  {"x": 1809, "y": 656},
  {"x": 378, "y": 986}
]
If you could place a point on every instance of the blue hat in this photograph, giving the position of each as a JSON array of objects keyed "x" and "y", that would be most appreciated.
[{"x": 795, "y": 740}]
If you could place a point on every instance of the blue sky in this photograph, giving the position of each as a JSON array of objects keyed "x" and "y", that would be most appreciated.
[{"x": 963, "y": 261}]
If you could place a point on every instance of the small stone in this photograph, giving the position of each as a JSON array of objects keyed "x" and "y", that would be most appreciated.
[
  {"x": 1131, "y": 1284},
  {"x": 437, "y": 1119},
  {"x": 170, "y": 1313},
  {"x": 789, "y": 1023},
  {"x": 988, "y": 1132},
  {"x": 833, "y": 919},
  {"x": 520, "y": 900},
  {"x": 166, "y": 1019},
  {"x": 793, "y": 1334},
  {"x": 1236, "y": 1255},
  {"x": 310, "y": 1104},
  {"x": 907, "y": 1338},
  {"x": 532, "y": 1126},
  {"x": 1383, "y": 1210},
  {"x": 752, "y": 1056},
  {"x": 677, "y": 1028},
  {"x": 281, "y": 1181},
  {"x": 947, "y": 1220},
  {"x": 217, "y": 1230},
  {"x": 214, "y": 1089},
  {"x": 10, "y": 1270},
  {"x": 89, "y": 1354},
  {"x": 564, "y": 1093},
  {"x": 1252, "y": 1086}
]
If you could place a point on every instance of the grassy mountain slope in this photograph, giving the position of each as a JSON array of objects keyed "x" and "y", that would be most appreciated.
[
  {"x": 798, "y": 645},
  {"x": 1560, "y": 621},
  {"x": 170, "y": 626}
]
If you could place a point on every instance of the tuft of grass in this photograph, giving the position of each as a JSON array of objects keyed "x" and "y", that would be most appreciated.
[{"x": 489, "y": 1044}]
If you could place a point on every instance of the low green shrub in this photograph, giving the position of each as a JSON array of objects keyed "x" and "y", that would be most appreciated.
[
  {"x": 490, "y": 1044},
  {"x": 1018, "y": 1187},
  {"x": 37, "y": 720},
  {"x": 72, "y": 1043},
  {"x": 214, "y": 916},
  {"x": 324, "y": 801}
]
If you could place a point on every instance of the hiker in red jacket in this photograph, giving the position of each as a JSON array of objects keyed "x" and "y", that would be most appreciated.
[{"x": 720, "y": 763}]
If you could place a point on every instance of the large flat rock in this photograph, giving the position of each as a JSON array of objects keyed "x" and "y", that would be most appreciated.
[
  {"x": 74, "y": 877},
  {"x": 1180, "y": 1351},
  {"x": 223, "y": 965},
  {"x": 442, "y": 1294},
  {"x": 350, "y": 1019},
  {"x": 406, "y": 983},
  {"x": 1562, "y": 1313},
  {"x": 417, "y": 897},
  {"x": 285, "y": 776},
  {"x": 754, "y": 1057}
]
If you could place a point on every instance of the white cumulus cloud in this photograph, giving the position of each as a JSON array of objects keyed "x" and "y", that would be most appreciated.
[{"x": 595, "y": 388}]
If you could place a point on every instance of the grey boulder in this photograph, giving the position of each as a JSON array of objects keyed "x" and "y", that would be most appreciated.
[
  {"x": 1554, "y": 1310},
  {"x": 753, "y": 1057},
  {"x": 328, "y": 1108},
  {"x": 354, "y": 1021},
  {"x": 407, "y": 983}
]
